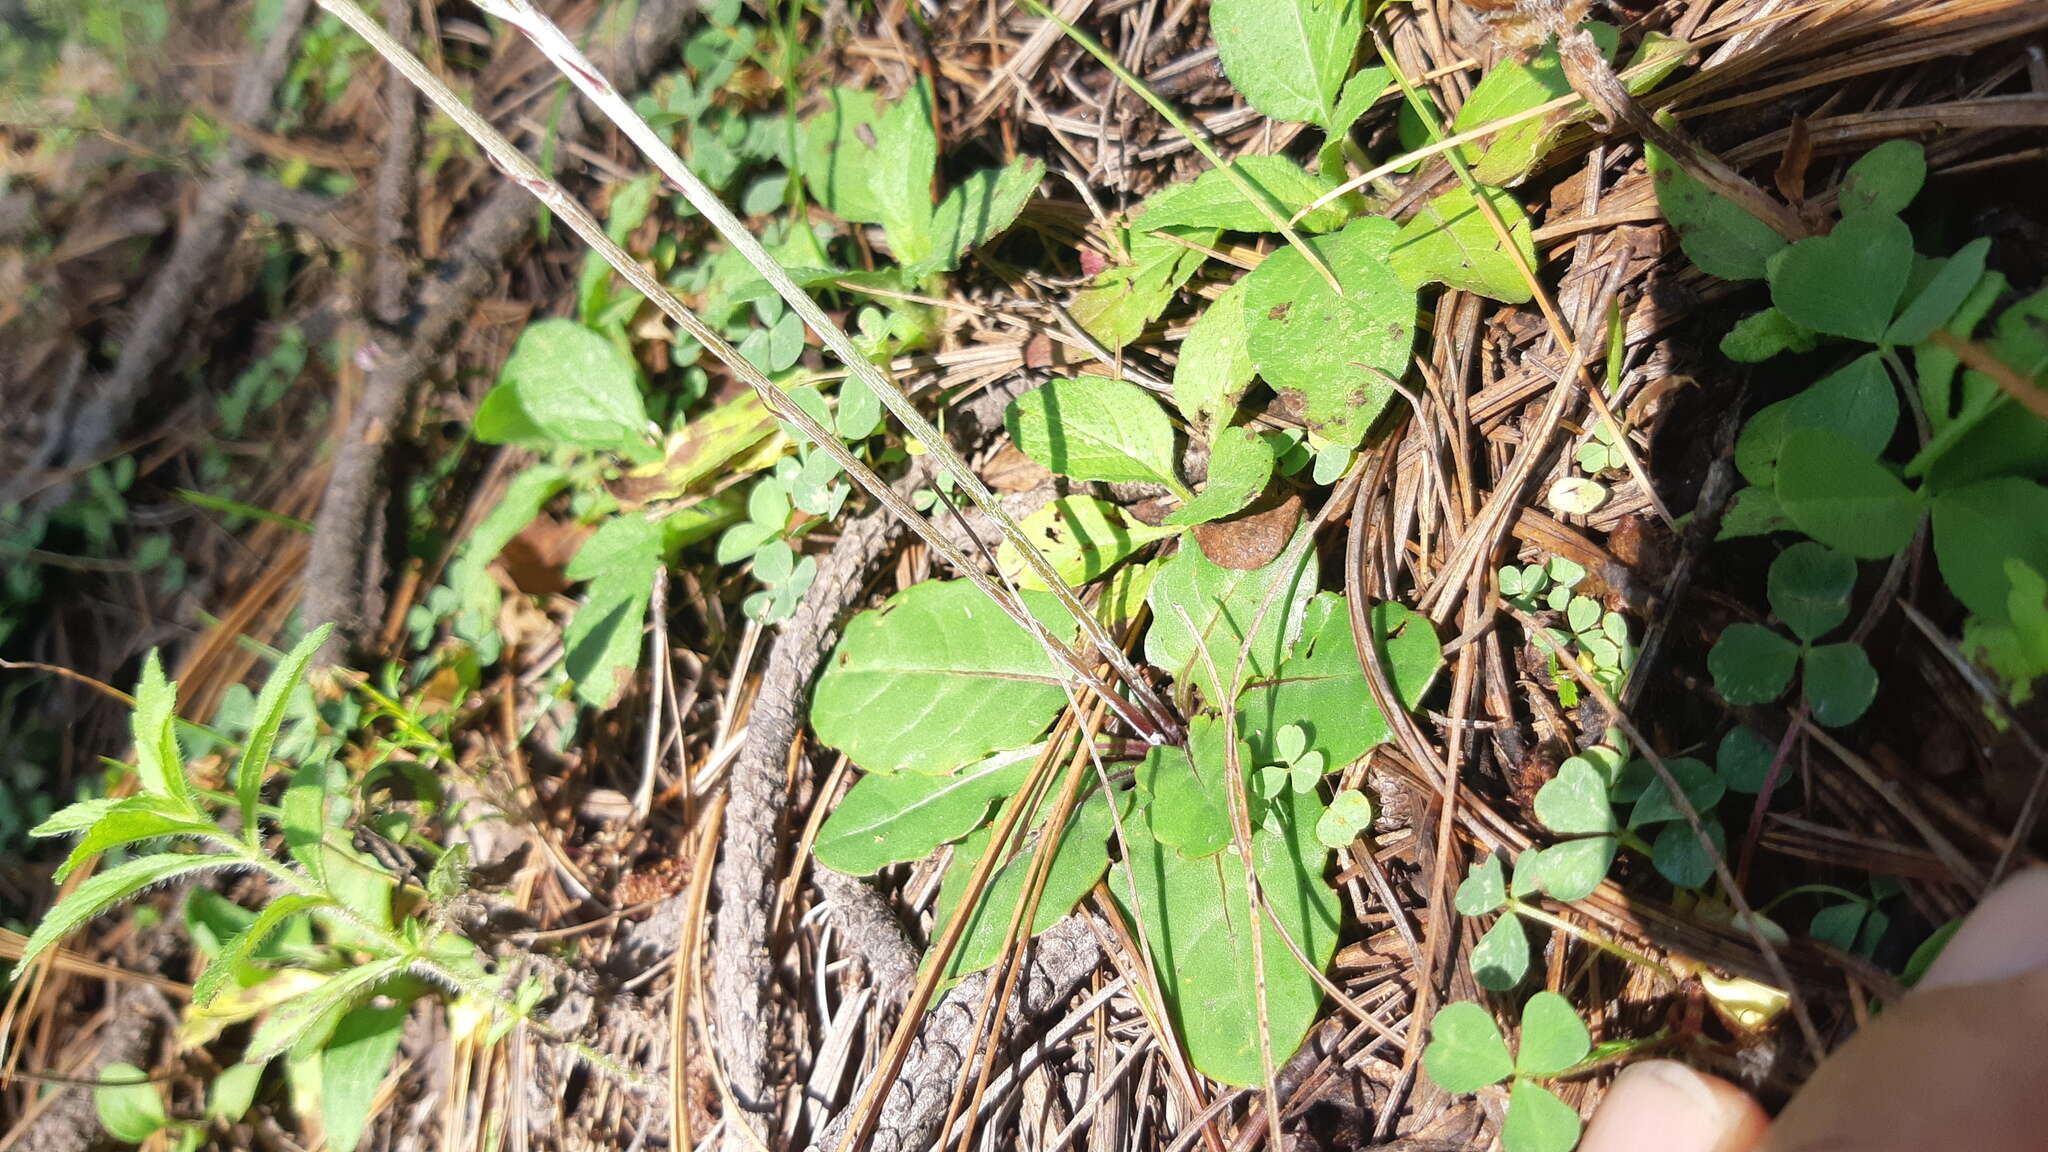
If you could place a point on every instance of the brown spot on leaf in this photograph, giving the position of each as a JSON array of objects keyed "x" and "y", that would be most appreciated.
[
  {"x": 1253, "y": 538},
  {"x": 1278, "y": 312}
]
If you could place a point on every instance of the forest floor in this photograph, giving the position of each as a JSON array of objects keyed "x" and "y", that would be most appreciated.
[{"x": 1661, "y": 527}]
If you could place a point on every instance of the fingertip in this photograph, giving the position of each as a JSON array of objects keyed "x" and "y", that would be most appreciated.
[
  {"x": 2005, "y": 936},
  {"x": 1664, "y": 1105}
]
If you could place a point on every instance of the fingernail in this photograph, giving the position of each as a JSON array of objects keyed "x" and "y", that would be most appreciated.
[
  {"x": 1665, "y": 1105},
  {"x": 2006, "y": 936}
]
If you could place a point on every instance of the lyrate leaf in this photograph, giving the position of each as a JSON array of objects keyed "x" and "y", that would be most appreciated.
[
  {"x": 1091, "y": 428},
  {"x": 1884, "y": 180},
  {"x": 1501, "y": 958},
  {"x": 1717, "y": 234},
  {"x": 1840, "y": 683},
  {"x": 1537, "y": 1121},
  {"x": 1215, "y": 366},
  {"x": 1288, "y": 57},
  {"x": 1466, "y": 1051},
  {"x": 1214, "y": 200},
  {"x": 1322, "y": 684},
  {"x": 1553, "y": 1036},
  {"x": 601, "y": 646},
  {"x": 1843, "y": 497},
  {"x": 565, "y": 384},
  {"x": 1337, "y": 354},
  {"x": 1848, "y": 282},
  {"x": 1198, "y": 922},
  {"x": 1451, "y": 242},
  {"x": 1221, "y": 604},
  {"x": 936, "y": 678},
  {"x": 1751, "y": 664},
  {"x": 1809, "y": 587},
  {"x": 352, "y": 1068},
  {"x": 886, "y": 820}
]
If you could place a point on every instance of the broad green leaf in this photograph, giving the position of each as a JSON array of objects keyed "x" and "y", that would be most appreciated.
[
  {"x": 1571, "y": 870},
  {"x": 525, "y": 495},
  {"x": 1484, "y": 889},
  {"x": 1934, "y": 370},
  {"x": 1288, "y": 57},
  {"x": 1336, "y": 356},
  {"x": 1718, "y": 235},
  {"x": 982, "y": 207},
  {"x": 1091, "y": 428},
  {"x": 159, "y": 765},
  {"x": 1848, "y": 282},
  {"x": 1574, "y": 802},
  {"x": 105, "y": 889},
  {"x": 1884, "y": 180},
  {"x": 1978, "y": 528},
  {"x": 138, "y": 818},
  {"x": 1123, "y": 298},
  {"x": 1198, "y": 923},
  {"x": 1537, "y": 1121},
  {"x": 1840, "y": 683},
  {"x": 130, "y": 1108},
  {"x": 1345, "y": 820},
  {"x": 886, "y": 820},
  {"x": 1838, "y": 925},
  {"x": 1360, "y": 93},
  {"x": 318, "y": 805},
  {"x": 1189, "y": 787},
  {"x": 1944, "y": 294},
  {"x": 1240, "y": 464},
  {"x": 1744, "y": 760},
  {"x": 1809, "y": 587},
  {"x": 1451, "y": 242},
  {"x": 1215, "y": 365},
  {"x": 352, "y": 1067},
  {"x": 565, "y": 384},
  {"x": 1751, "y": 664},
  {"x": 1553, "y": 1036},
  {"x": 1214, "y": 200},
  {"x": 936, "y": 678},
  {"x": 270, "y": 710},
  {"x": 1843, "y": 497},
  {"x": 1321, "y": 685},
  {"x": 1466, "y": 1051},
  {"x": 873, "y": 165},
  {"x": 1221, "y": 605},
  {"x": 304, "y": 813},
  {"x": 1679, "y": 857},
  {"x": 1501, "y": 958},
  {"x": 1082, "y": 536},
  {"x": 1702, "y": 786},
  {"x": 1081, "y": 859},
  {"x": 1511, "y": 87},
  {"x": 601, "y": 646},
  {"x": 247, "y": 944},
  {"x": 1761, "y": 335},
  {"x": 1856, "y": 402}
]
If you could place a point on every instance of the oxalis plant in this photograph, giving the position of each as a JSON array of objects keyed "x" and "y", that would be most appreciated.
[
  {"x": 327, "y": 965},
  {"x": 1885, "y": 321}
]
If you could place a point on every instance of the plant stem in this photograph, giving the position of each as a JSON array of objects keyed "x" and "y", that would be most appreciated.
[{"x": 1610, "y": 947}]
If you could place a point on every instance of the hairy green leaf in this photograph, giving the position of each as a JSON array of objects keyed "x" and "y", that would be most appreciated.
[
  {"x": 138, "y": 818},
  {"x": 1200, "y": 606},
  {"x": 248, "y": 943},
  {"x": 1214, "y": 200},
  {"x": 1451, "y": 242},
  {"x": 270, "y": 710},
  {"x": 1092, "y": 428},
  {"x": 565, "y": 384},
  {"x": 159, "y": 765},
  {"x": 1215, "y": 366},
  {"x": 1289, "y": 57},
  {"x": 104, "y": 890},
  {"x": 1240, "y": 465},
  {"x": 352, "y": 1068}
]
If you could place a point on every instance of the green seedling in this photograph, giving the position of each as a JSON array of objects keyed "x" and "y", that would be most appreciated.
[{"x": 1467, "y": 1053}]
